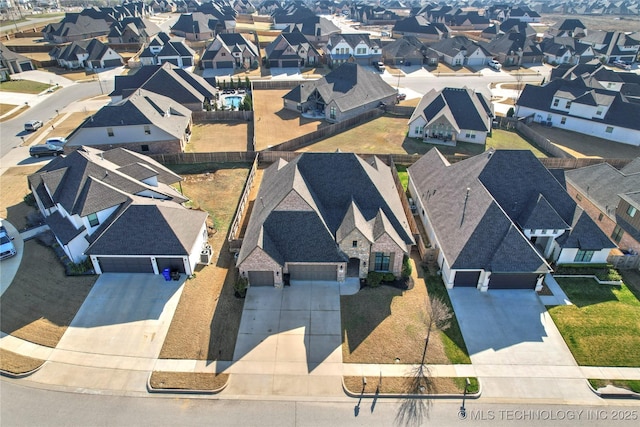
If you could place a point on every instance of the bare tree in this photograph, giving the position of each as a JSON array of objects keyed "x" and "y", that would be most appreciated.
[{"x": 439, "y": 320}]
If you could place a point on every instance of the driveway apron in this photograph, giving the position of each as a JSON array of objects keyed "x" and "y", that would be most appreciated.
[{"x": 289, "y": 343}]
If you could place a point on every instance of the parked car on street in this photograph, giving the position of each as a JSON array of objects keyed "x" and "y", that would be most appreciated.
[
  {"x": 45, "y": 150},
  {"x": 58, "y": 141},
  {"x": 32, "y": 125},
  {"x": 7, "y": 249}
]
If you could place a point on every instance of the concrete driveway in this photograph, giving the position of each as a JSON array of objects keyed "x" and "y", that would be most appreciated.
[
  {"x": 121, "y": 325},
  {"x": 289, "y": 342},
  {"x": 515, "y": 347}
]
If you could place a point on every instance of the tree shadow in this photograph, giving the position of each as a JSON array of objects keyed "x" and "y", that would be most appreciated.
[
  {"x": 413, "y": 408},
  {"x": 583, "y": 292},
  {"x": 17, "y": 215}
]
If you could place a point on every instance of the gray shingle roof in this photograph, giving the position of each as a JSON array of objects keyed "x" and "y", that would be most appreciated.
[
  {"x": 463, "y": 108},
  {"x": 341, "y": 190}
]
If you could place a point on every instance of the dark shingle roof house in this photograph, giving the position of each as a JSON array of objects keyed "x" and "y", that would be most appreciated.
[
  {"x": 452, "y": 114},
  {"x": 583, "y": 105},
  {"x": 86, "y": 54},
  {"x": 183, "y": 87},
  {"x": 345, "y": 92},
  {"x": 89, "y": 23},
  {"x": 408, "y": 49},
  {"x": 118, "y": 208},
  {"x": 230, "y": 50},
  {"x": 514, "y": 49},
  {"x": 615, "y": 195},
  {"x": 325, "y": 216},
  {"x": 197, "y": 26},
  {"x": 12, "y": 62},
  {"x": 497, "y": 217},
  {"x": 420, "y": 27},
  {"x": 162, "y": 48},
  {"x": 291, "y": 50},
  {"x": 315, "y": 28}
]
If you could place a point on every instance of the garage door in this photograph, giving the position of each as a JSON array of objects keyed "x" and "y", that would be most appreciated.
[
  {"x": 466, "y": 278},
  {"x": 26, "y": 66},
  {"x": 224, "y": 64},
  {"x": 173, "y": 264},
  {"x": 112, "y": 63},
  {"x": 290, "y": 63},
  {"x": 125, "y": 265},
  {"x": 313, "y": 272},
  {"x": 207, "y": 64},
  {"x": 512, "y": 281},
  {"x": 261, "y": 278}
]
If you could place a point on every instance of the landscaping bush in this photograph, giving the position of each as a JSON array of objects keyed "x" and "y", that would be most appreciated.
[
  {"x": 406, "y": 267},
  {"x": 30, "y": 200},
  {"x": 34, "y": 219},
  {"x": 81, "y": 267},
  {"x": 241, "y": 286},
  {"x": 388, "y": 277},
  {"x": 603, "y": 272},
  {"x": 374, "y": 279}
]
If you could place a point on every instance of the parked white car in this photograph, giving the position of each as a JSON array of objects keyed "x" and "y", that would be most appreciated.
[
  {"x": 7, "y": 249},
  {"x": 494, "y": 64},
  {"x": 58, "y": 141}
]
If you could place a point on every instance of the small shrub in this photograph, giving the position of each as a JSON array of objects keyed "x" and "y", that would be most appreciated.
[
  {"x": 30, "y": 200},
  {"x": 406, "y": 267},
  {"x": 241, "y": 286},
  {"x": 34, "y": 219},
  {"x": 374, "y": 279},
  {"x": 388, "y": 277},
  {"x": 81, "y": 267}
]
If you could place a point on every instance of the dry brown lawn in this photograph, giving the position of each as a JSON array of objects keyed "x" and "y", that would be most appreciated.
[
  {"x": 5, "y": 108},
  {"x": 42, "y": 301},
  {"x": 187, "y": 380},
  {"x": 75, "y": 75},
  {"x": 580, "y": 145},
  {"x": 13, "y": 188},
  {"x": 207, "y": 319},
  {"x": 17, "y": 363},
  {"x": 213, "y": 137},
  {"x": 273, "y": 124},
  {"x": 72, "y": 121},
  {"x": 15, "y": 114},
  {"x": 404, "y": 385}
]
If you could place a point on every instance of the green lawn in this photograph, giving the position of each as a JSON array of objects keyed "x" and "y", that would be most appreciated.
[
  {"x": 388, "y": 135},
  {"x": 403, "y": 175},
  {"x": 23, "y": 86},
  {"x": 633, "y": 385},
  {"x": 602, "y": 328}
]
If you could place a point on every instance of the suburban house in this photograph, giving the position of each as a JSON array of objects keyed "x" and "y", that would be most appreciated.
[
  {"x": 231, "y": 50},
  {"x": 197, "y": 26},
  {"x": 582, "y": 105},
  {"x": 316, "y": 29},
  {"x": 406, "y": 50},
  {"x": 132, "y": 30},
  {"x": 345, "y": 92},
  {"x": 613, "y": 46},
  {"x": 611, "y": 197},
  {"x": 523, "y": 14},
  {"x": 162, "y": 48},
  {"x": 86, "y": 54},
  {"x": 324, "y": 216},
  {"x": 184, "y": 88},
  {"x": 160, "y": 6},
  {"x": 420, "y": 27},
  {"x": 451, "y": 115},
  {"x": 291, "y": 50},
  {"x": 496, "y": 218},
  {"x": 89, "y": 23},
  {"x": 119, "y": 208},
  {"x": 567, "y": 28},
  {"x": 358, "y": 48},
  {"x": 562, "y": 50},
  {"x": 12, "y": 62},
  {"x": 459, "y": 51},
  {"x": 144, "y": 122},
  {"x": 243, "y": 6},
  {"x": 458, "y": 19},
  {"x": 508, "y": 26},
  {"x": 513, "y": 49}
]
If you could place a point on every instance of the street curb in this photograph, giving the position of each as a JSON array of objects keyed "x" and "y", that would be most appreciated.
[
  {"x": 412, "y": 396},
  {"x": 182, "y": 391},
  {"x": 625, "y": 394}
]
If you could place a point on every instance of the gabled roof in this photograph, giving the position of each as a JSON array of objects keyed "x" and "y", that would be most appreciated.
[
  {"x": 454, "y": 45},
  {"x": 294, "y": 40},
  {"x": 305, "y": 205},
  {"x": 349, "y": 86},
  {"x": 420, "y": 25},
  {"x": 406, "y": 46},
  {"x": 313, "y": 26},
  {"x": 475, "y": 206},
  {"x": 352, "y": 40},
  {"x": 463, "y": 108},
  {"x": 230, "y": 42},
  {"x": 512, "y": 42}
]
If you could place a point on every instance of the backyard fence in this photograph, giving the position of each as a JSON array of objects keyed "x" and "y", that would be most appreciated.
[
  {"x": 275, "y": 84},
  {"x": 541, "y": 141},
  {"x": 221, "y": 116},
  {"x": 235, "y": 242}
]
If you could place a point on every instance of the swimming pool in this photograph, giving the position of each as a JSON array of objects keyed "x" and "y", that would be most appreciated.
[{"x": 232, "y": 100}]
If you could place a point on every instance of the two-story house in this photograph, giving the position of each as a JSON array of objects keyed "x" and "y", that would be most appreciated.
[
  {"x": 459, "y": 51},
  {"x": 613, "y": 46},
  {"x": 230, "y": 50},
  {"x": 291, "y": 50},
  {"x": 575, "y": 105},
  {"x": 162, "y": 48},
  {"x": 358, "y": 48},
  {"x": 86, "y": 54}
]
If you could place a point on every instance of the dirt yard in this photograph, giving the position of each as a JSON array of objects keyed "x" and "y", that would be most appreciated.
[
  {"x": 12, "y": 191},
  {"x": 580, "y": 145},
  {"x": 273, "y": 124},
  {"x": 214, "y": 137},
  {"x": 207, "y": 319}
]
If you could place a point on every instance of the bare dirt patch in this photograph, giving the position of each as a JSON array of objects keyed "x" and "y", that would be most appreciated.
[
  {"x": 17, "y": 363},
  {"x": 12, "y": 191},
  {"x": 273, "y": 124},
  {"x": 42, "y": 301},
  {"x": 187, "y": 380},
  {"x": 580, "y": 145},
  {"x": 207, "y": 319},
  {"x": 214, "y": 137},
  {"x": 404, "y": 385}
]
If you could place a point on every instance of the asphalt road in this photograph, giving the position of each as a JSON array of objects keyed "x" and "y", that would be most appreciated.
[
  {"x": 13, "y": 129},
  {"x": 25, "y": 406}
]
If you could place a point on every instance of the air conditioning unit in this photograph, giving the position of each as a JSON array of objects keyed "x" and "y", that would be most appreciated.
[{"x": 205, "y": 255}]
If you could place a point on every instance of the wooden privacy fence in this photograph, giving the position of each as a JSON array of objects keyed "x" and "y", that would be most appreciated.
[
  {"x": 235, "y": 242},
  {"x": 221, "y": 116},
  {"x": 541, "y": 141}
]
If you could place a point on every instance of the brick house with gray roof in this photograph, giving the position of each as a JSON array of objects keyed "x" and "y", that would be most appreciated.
[
  {"x": 119, "y": 208},
  {"x": 345, "y": 92},
  {"x": 496, "y": 218},
  {"x": 324, "y": 216},
  {"x": 291, "y": 50}
]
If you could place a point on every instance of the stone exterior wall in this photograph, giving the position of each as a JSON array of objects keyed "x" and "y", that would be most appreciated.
[
  {"x": 388, "y": 245},
  {"x": 362, "y": 251},
  {"x": 258, "y": 260},
  {"x": 606, "y": 224}
]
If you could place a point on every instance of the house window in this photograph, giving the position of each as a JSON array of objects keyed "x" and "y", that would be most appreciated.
[
  {"x": 144, "y": 147},
  {"x": 382, "y": 261},
  {"x": 583, "y": 256},
  {"x": 631, "y": 211},
  {"x": 609, "y": 129},
  {"x": 599, "y": 111},
  {"x": 617, "y": 234},
  {"x": 109, "y": 131},
  {"x": 354, "y": 244},
  {"x": 549, "y": 117},
  {"x": 563, "y": 120},
  {"x": 419, "y": 130},
  {"x": 93, "y": 219},
  {"x": 361, "y": 51},
  {"x": 556, "y": 102},
  {"x": 568, "y": 105},
  {"x": 147, "y": 130},
  {"x": 600, "y": 216},
  {"x": 332, "y": 113},
  {"x": 223, "y": 54}
]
